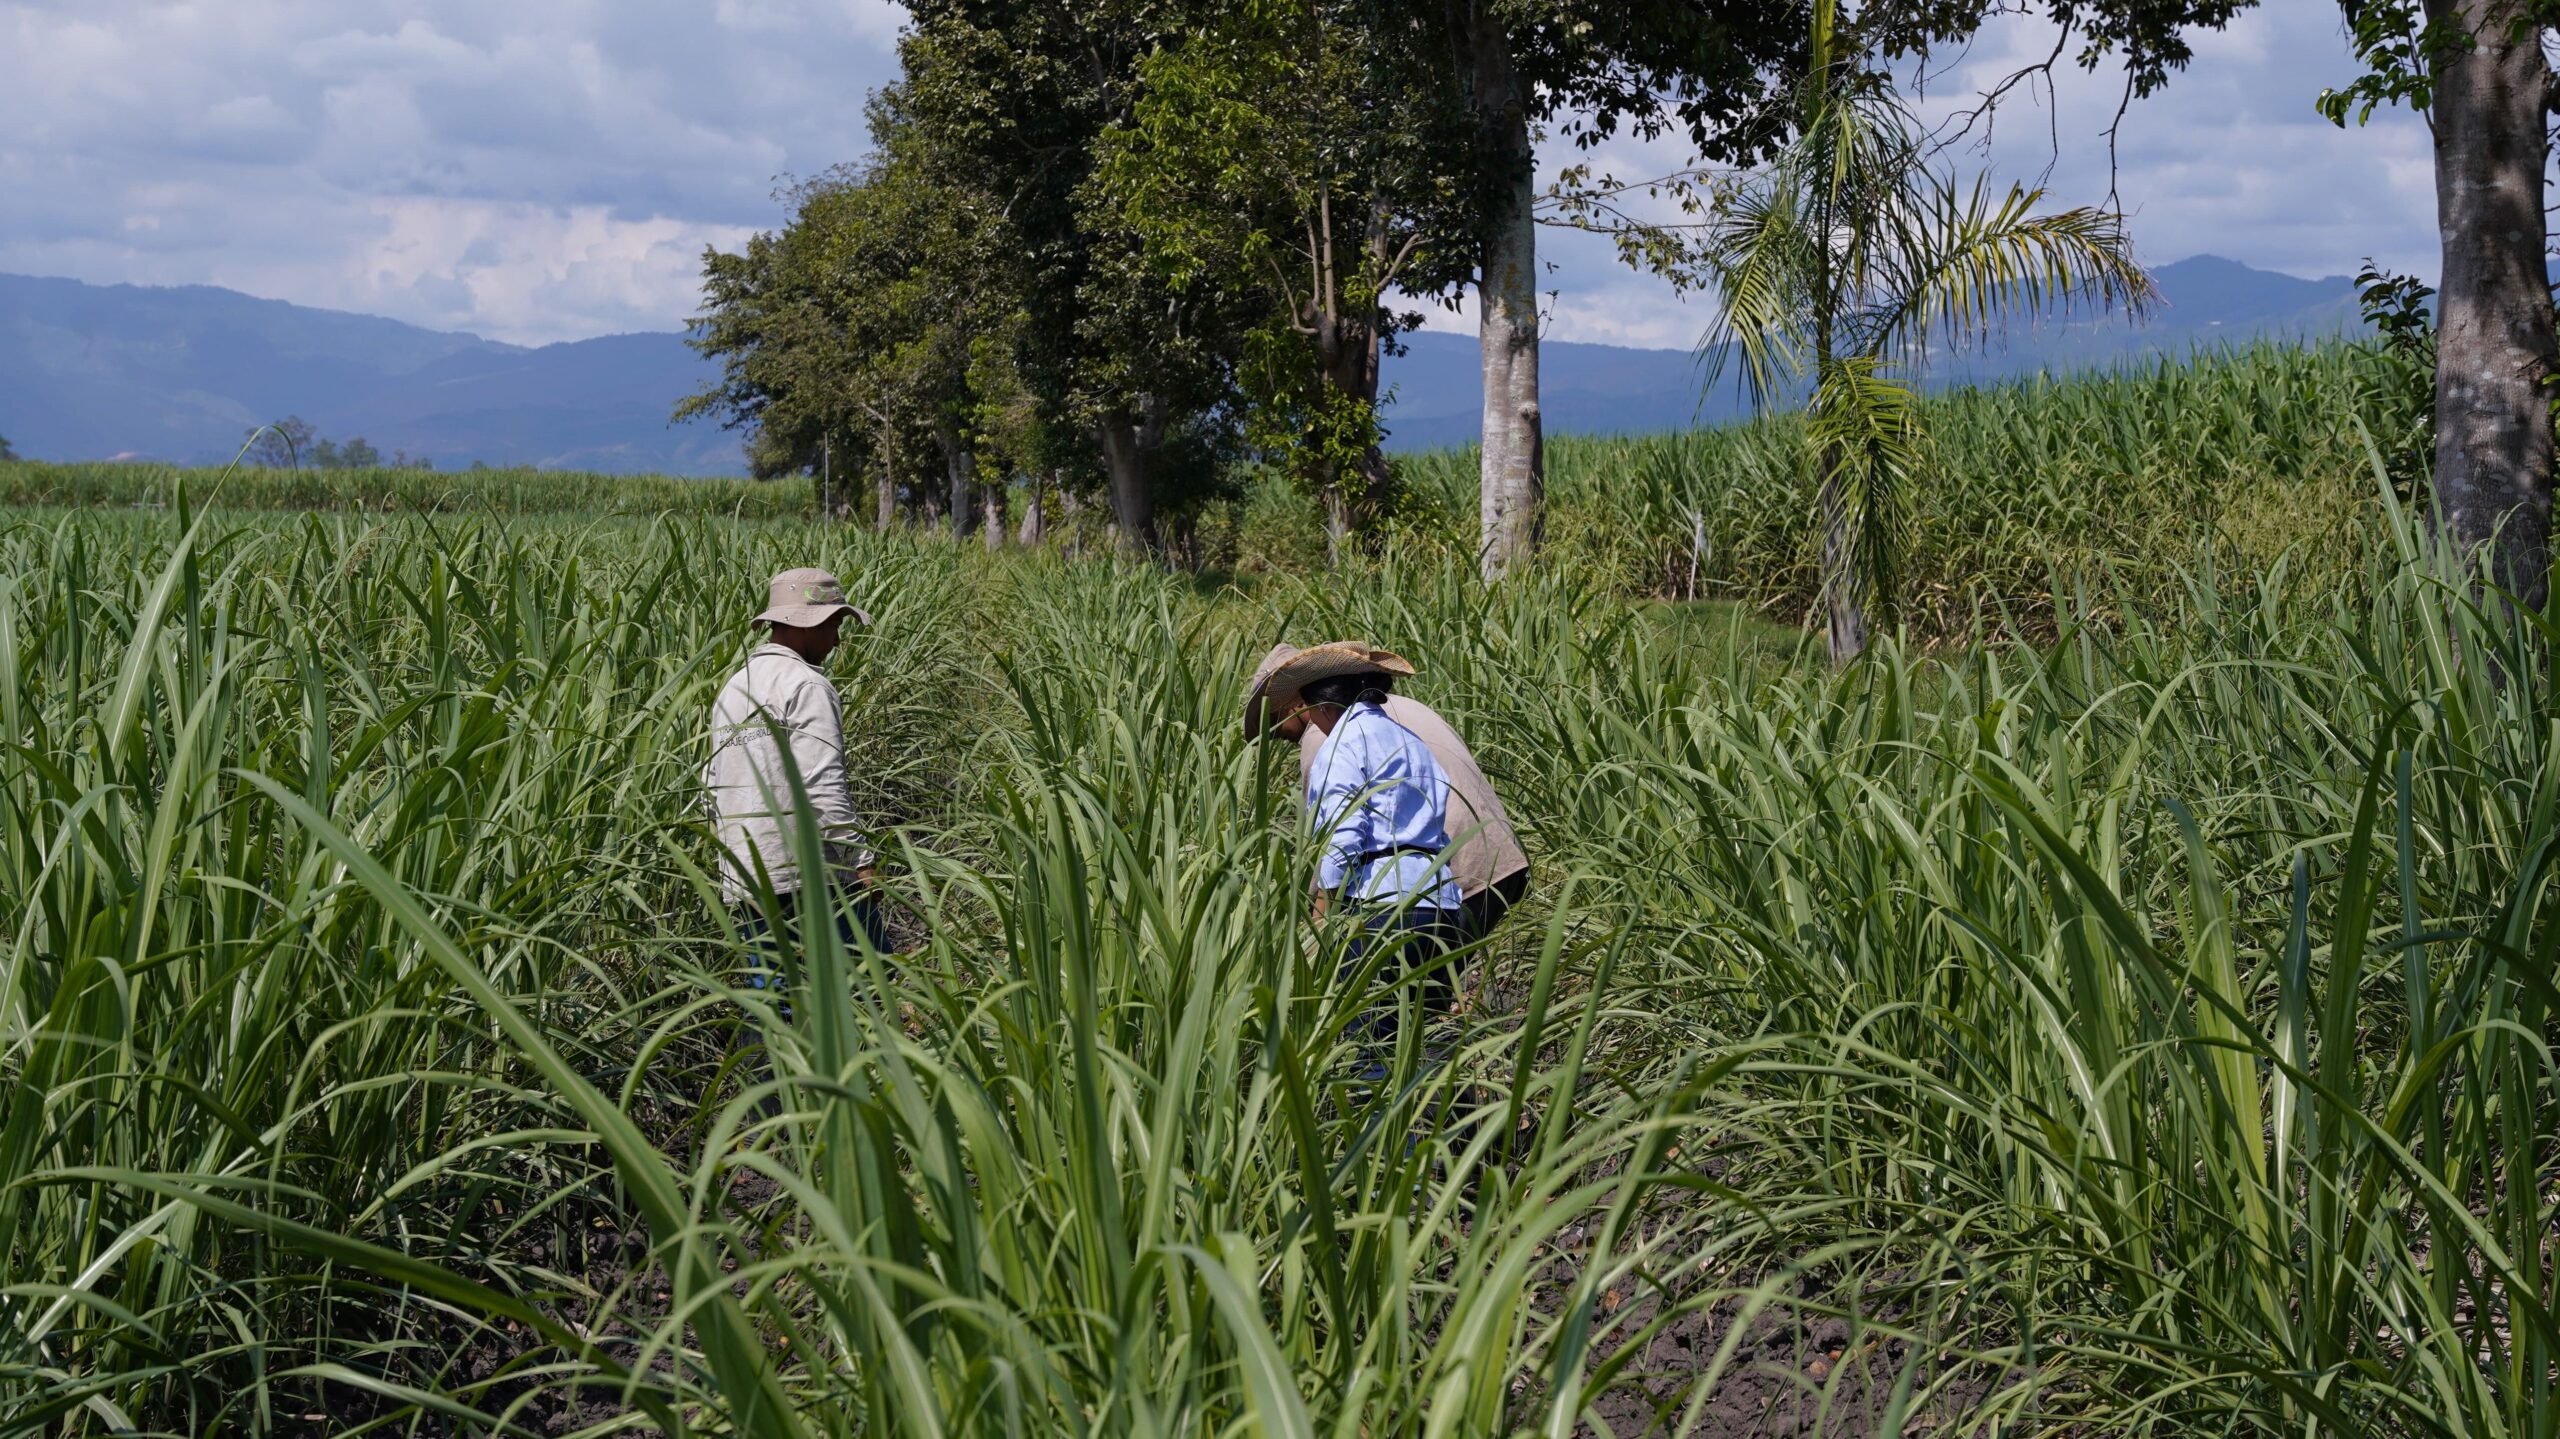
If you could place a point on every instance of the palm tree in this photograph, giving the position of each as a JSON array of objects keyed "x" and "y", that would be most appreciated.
[{"x": 1846, "y": 260}]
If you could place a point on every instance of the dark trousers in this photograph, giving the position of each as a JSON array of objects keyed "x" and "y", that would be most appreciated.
[
  {"x": 771, "y": 935},
  {"x": 1420, "y": 940},
  {"x": 1486, "y": 907}
]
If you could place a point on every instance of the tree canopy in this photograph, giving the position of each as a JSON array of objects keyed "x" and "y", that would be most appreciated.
[
  {"x": 1117, "y": 246},
  {"x": 1300, "y": 158}
]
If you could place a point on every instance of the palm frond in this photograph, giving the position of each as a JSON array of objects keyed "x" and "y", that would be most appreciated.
[
  {"x": 1863, "y": 429},
  {"x": 1760, "y": 254},
  {"x": 1969, "y": 258}
]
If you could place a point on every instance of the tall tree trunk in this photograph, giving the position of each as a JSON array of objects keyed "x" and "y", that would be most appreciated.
[
  {"x": 1846, "y": 616},
  {"x": 1514, "y": 465},
  {"x": 1035, "y": 518},
  {"x": 2494, "y": 338},
  {"x": 961, "y": 462},
  {"x": 1348, "y": 362},
  {"x": 884, "y": 492},
  {"x": 991, "y": 516},
  {"x": 1124, "y": 462}
]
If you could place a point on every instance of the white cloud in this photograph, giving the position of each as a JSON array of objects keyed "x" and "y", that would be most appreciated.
[
  {"x": 2231, "y": 158},
  {"x": 527, "y": 172},
  {"x": 582, "y": 266}
]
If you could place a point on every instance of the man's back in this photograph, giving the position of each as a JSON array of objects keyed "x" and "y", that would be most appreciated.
[
  {"x": 1488, "y": 849},
  {"x": 1381, "y": 799},
  {"x": 777, "y": 698}
]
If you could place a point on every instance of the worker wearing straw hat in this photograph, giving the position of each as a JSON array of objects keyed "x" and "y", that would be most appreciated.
[
  {"x": 1491, "y": 868},
  {"x": 1379, "y": 802},
  {"x": 779, "y": 702}
]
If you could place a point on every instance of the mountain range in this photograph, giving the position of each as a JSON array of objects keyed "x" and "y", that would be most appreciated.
[{"x": 182, "y": 373}]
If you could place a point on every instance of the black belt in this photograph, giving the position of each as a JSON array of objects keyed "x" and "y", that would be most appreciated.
[{"x": 1391, "y": 851}]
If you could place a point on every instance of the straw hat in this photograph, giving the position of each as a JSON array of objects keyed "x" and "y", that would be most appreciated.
[
  {"x": 1288, "y": 669},
  {"x": 802, "y": 598}
]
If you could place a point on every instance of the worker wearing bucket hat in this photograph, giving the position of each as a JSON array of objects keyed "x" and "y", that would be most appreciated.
[
  {"x": 1491, "y": 868},
  {"x": 780, "y": 703},
  {"x": 1379, "y": 802}
]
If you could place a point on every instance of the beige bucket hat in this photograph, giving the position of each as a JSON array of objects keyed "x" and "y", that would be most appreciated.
[
  {"x": 1288, "y": 669},
  {"x": 806, "y": 597}
]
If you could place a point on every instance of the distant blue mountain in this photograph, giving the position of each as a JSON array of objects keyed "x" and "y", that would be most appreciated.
[
  {"x": 95, "y": 371},
  {"x": 92, "y": 371}
]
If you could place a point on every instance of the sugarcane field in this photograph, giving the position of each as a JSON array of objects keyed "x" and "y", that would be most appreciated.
[{"x": 1281, "y": 719}]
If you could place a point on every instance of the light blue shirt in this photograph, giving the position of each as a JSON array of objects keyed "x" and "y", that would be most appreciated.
[{"x": 1381, "y": 804}]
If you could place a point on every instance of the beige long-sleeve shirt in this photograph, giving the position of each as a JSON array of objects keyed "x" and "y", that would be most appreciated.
[
  {"x": 778, "y": 698},
  {"x": 1488, "y": 849}
]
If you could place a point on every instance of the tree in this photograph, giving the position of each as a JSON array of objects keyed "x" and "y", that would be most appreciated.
[
  {"x": 6, "y": 453},
  {"x": 283, "y": 445},
  {"x": 1303, "y": 155},
  {"x": 1848, "y": 257},
  {"x": 1013, "y": 436},
  {"x": 2478, "y": 71},
  {"x": 790, "y": 375},
  {"x": 1010, "y": 97},
  {"x": 846, "y": 338}
]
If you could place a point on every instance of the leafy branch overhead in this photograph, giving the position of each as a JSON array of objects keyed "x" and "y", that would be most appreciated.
[{"x": 1303, "y": 155}]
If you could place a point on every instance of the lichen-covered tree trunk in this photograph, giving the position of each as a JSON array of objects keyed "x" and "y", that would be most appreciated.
[
  {"x": 991, "y": 515},
  {"x": 1514, "y": 462},
  {"x": 2494, "y": 337},
  {"x": 1844, "y": 613},
  {"x": 1124, "y": 465},
  {"x": 961, "y": 463},
  {"x": 884, "y": 495},
  {"x": 1035, "y": 515}
]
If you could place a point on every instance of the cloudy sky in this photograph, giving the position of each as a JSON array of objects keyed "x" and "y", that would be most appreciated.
[{"x": 548, "y": 171}]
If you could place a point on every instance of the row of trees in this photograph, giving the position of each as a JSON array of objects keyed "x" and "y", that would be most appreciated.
[
  {"x": 1110, "y": 248},
  {"x": 295, "y": 443}
]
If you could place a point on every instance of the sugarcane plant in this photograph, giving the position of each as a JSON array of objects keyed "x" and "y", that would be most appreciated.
[{"x": 1843, "y": 262}]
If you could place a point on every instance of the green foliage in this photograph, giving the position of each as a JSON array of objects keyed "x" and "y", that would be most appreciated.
[
  {"x": 2399, "y": 43},
  {"x": 2397, "y": 308},
  {"x": 6, "y": 453},
  {"x": 862, "y": 325},
  {"x": 479, "y": 490},
  {"x": 2250, "y": 455},
  {"x": 242, "y": 1045},
  {"x": 1010, "y": 99},
  {"x": 1305, "y": 154},
  {"x": 2253, "y": 456}
]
